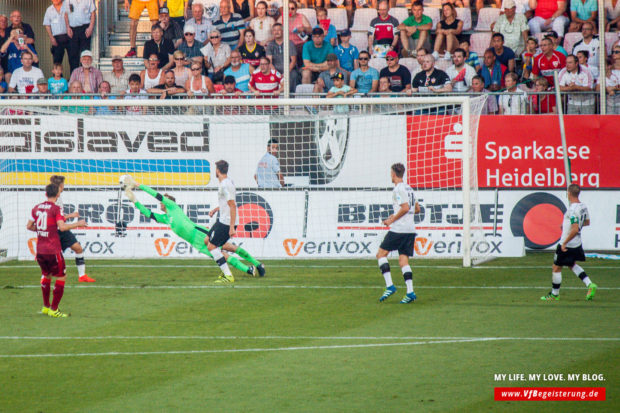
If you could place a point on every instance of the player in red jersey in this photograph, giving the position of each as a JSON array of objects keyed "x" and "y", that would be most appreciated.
[
  {"x": 46, "y": 220},
  {"x": 548, "y": 61}
]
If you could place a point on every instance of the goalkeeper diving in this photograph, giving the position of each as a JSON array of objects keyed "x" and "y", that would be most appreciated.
[{"x": 185, "y": 228}]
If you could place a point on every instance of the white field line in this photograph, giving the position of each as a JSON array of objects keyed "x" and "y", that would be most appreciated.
[
  {"x": 301, "y": 287},
  {"x": 304, "y": 338}
]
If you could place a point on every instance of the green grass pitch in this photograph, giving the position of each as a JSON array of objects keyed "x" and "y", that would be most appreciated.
[{"x": 160, "y": 336}]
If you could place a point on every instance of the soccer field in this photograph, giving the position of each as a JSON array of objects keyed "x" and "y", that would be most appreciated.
[{"x": 160, "y": 336}]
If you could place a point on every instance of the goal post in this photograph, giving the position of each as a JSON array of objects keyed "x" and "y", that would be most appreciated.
[{"x": 334, "y": 154}]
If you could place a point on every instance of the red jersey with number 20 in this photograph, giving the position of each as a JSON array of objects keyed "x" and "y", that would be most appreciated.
[{"x": 46, "y": 216}]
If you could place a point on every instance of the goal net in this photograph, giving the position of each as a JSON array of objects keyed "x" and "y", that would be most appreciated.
[{"x": 334, "y": 156}]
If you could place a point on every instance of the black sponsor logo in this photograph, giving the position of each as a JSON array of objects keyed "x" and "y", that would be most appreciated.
[{"x": 538, "y": 219}]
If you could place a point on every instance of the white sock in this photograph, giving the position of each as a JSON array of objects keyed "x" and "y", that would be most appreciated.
[
  {"x": 409, "y": 284},
  {"x": 80, "y": 267},
  {"x": 221, "y": 261},
  {"x": 578, "y": 270},
  {"x": 556, "y": 278},
  {"x": 386, "y": 275}
]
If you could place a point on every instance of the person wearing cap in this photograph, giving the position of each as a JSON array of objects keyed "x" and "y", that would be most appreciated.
[
  {"x": 365, "y": 78},
  {"x": 56, "y": 28},
  {"x": 415, "y": 30},
  {"x": 90, "y": 77},
  {"x": 135, "y": 10},
  {"x": 42, "y": 86},
  {"x": 190, "y": 45},
  {"x": 160, "y": 46},
  {"x": 346, "y": 52},
  {"x": 340, "y": 90},
  {"x": 80, "y": 20},
  {"x": 202, "y": 25},
  {"x": 383, "y": 29},
  {"x": 397, "y": 74},
  {"x": 548, "y": 15},
  {"x": 324, "y": 82},
  {"x": 298, "y": 27},
  {"x": 172, "y": 30},
  {"x": 118, "y": 77},
  {"x": 315, "y": 56},
  {"x": 513, "y": 26}
]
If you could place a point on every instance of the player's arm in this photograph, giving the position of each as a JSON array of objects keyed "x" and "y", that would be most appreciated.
[
  {"x": 233, "y": 217},
  {"x": 404, "y": 208},
  {"x": 572, "y": 233},
  {"x": 167, "y": 202},
  {"x": 161, "y": 218},
  {"x": 416, "y": 209},
  {"x": 63, "y": 226},
  {"x": 30, "y": 225},
  {"x": 586, "y": 222}
]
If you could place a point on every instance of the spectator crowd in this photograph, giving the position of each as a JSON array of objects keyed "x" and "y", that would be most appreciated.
[{"x": 199, "y": 48}]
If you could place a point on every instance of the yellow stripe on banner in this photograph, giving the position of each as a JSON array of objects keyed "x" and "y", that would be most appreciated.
[{"x": 106, "y": 179}]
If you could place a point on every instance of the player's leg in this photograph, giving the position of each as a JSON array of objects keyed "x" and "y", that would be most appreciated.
[
  {"x": 59, "y": 287},
  {"x": 80, "y": 263},
  {"x": 556, "y": 276},
  {"x": 218, "y": 236},
  {"x": 384, "y": 267},
  {"x": 46, "y": 281},
  {"x": 199, "y": 242},
  {"x": 229, "y": 246},
  {"x": 579, "y": 255},
  {"x": 405, "y": 250}
]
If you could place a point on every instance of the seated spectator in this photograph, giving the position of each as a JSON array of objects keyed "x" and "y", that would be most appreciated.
[
  {"x": 365, "y": 78},
  {"x": 612, "y": 13},
  {"x": 504, "y": 55},
  {"x": 262, "y": 25},
  {"x": 76, "y": 91},
  {"x": 240, "y": 71},
  {"x": 492, "y": 72},
  {"x": 230, "y": 87},
  {"x": 169, "y": 88},
  {"x": 460, "y": 73},
  {"x": 583, "y": 58},
  {"x": 251, "y": 52},
  {"x": 415, "y": 30},
  {"x": 13, "y": 48},
  {"x": 420, "y": 53},
  {"x": 80, "y": 20},
  {"x": 448, "y": 32},
  {"x": 431, "y": 79},
  {"x": 574, "y": 78},
  {"x": 323, "y": 22},
  {"x": 340, "y": 90},
  {"x": 493, "y": 3},
  {"x": 612, "y": 82},
  {"x": 557, "y": 42},
  {"x": 230, "y": 25},
  {"x": 542, "y": 103},
  {"x": 245, "y": 8},
  {"x": 42, "y": 86},
  {"x": 160, "y": 46},
  {"x": 275, "y": 53},
  {"x": 211, "y": 9},
  {"x": 216, "y": 56},
  {"x": 56, "y": 28},
  {"x": 172, "y": 30},
  {"x": 589, "y": 43},
  {"x": 398, "y": 75},
  {"x": 548, "y": 61},
  {"x": 582, "y": 11},
  {"x": 471, "y": 58},
  {"x": 181, "y": 71},
  {"x": 118, "y": 77},
  {"x": 105, "y": 90},
  {"x": 490, "y": 105},
  {"x": 265, "y": 80},
  {"x": 57, "y": 84},
  {"x": 549, "y": 14},
  {"x": 383, "y": 32},
  {"x": 202, "y": 25},
  {"x": 135, "y": 92},
  {"x": 513, "y": 26},
  {"x": 152, "y": 75},
  {"x": 135, "y": 10},
  {"x": 5, "y": 33},
  {"x": 315, "y": 55},
  {"x": 190, "y": 46},
  {"x": 298, "y": 26},
  {"x": 512, "y": 104},
  {"x": 384, "y": 85},
  {"x": 346, "y": 52},
  {"x": 522, "y": 7},
  {"x": 198, "y": 84},
  {"x": 26, "y": 29},
  {"x": 89, "y": 76},
  {"x": 25, "y": 77},
  {"x": 324, "y": 82},
  {"x": 531, "y": 51}
]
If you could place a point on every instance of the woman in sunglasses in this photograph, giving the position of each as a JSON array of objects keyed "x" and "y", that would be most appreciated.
[
  {"x": 181, "y": 72},
  {"x": 198, "y": 84}
]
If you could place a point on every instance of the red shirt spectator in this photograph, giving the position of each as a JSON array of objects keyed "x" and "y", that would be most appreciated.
[
  {"x": 548, "y": 61},
  {"x": 383, "y": 28},
  {"x": 266, "y": 80}
]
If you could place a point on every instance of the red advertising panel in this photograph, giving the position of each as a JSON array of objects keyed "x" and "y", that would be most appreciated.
[{"x": 516, "y": 151}]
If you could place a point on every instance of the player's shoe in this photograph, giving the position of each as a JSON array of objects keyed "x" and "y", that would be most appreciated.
[
  {"x": 409, "y": 298},
  {"x": 550, "y": 297},
  {"x": 252, "y": 270},
  {"x": 45, "y": 310},
  {"x": 591, "y": 291},
  {"x": 86, "y": 279},
  {"x": 388, "y": 291},
  {"x": 261, "y": 269},
  {"x": 56, "y": 314},
  {"x": 225, "y": 279}
]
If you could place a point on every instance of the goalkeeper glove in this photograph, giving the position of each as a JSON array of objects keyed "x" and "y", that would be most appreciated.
[
  {"x": 127, "y": 181},
  {"x": 130, "y": 195}
]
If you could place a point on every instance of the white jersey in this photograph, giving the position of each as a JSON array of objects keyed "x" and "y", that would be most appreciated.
[
  {"x": 577, "y": 213},
  {"x": 402, "y": 194},
  {"x": 226, "y": 192}
]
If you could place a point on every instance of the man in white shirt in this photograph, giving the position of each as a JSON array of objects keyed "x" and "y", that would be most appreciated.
[
  {"x": 203, "y": 25},
  {"x": 56, "y": 28},
  {"x": 513, "y": 25},
  {"x": 590, "y": 43},
  {"x": 24, "y": 79},
  {"x": 570, "y": 250},
  {"x": 401, "y": 235},
  {"x": 80, "y": 19},
  {"x": 574, "y": 78},
  {"x": 268, "y": 173},
  {"x": 460, "y": 74}
]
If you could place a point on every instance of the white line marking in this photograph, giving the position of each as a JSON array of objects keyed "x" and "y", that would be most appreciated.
[
  {"x": 302, "y": 287},
  {"x": 306, "y": 338}
]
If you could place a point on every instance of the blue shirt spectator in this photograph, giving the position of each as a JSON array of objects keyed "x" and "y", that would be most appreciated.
[
  {"x": 316, "y": 54},
  {"x": 347, "y": 56},
  {"x": 362, "y": 79},
  {"x": 242, "y": 76},
  {"x": 57, "y": 86}
]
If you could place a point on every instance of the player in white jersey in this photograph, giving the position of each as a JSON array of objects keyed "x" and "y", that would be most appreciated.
[
  {"x": 67, "y": 238},
  {"x": 401, "y": 235},
  {"x": 570, "y": 249},
  {"x": 224, "y": 229}
]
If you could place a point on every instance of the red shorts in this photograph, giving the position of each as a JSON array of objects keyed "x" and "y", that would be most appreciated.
[{"x": 52, "y": 265}]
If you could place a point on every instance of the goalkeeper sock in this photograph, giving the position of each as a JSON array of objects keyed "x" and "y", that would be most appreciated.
[
  {"x": 556, "y": 281},
  {"x": 384, "y": 267},
  {"x": 234, "y": 261},
  {"x": 80, "y": 264},
  {"x": 246, "y": 256},
  {"x": 580, "y": 272},
  {"x": 221, "y": 261},
  {"x": 408, "y": 276},
  {"x": 46, "y": 285}
]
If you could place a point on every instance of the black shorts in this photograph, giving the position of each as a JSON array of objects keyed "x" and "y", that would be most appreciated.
[
  {"x": 219, "y": 234},
  {"x": 403, "y": 243},
  {"x": 569, "y": 257},
  {"x": 67, "y": 239}
]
